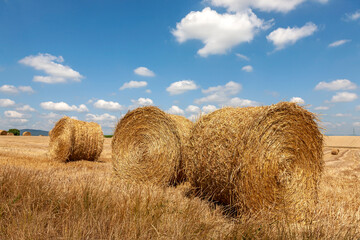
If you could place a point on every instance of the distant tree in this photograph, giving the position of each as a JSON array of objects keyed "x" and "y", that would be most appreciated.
[{"x": 15, "y": 131}]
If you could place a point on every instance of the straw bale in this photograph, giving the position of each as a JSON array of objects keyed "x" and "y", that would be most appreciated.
[
  {"x": 72, "y": 140},
  {"x": 26, "y": 134},
  {"x": 257, "y": 158},
  {"x": 3, "y": 132},
  {"x": 335, "y": 151},
  {"x": 146, "y": 147},
  {"x": 10, "y": 134}
]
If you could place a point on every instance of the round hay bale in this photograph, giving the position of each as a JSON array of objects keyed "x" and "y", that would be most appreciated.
[
  {"x": 26, "y": 134},
  {"x": 184, "y": 126},
  {"x": 3, "y": 132},
  {"x": 146, "y": 147},
  {"x": 49, "y": 132},
  {"x": 72, "y": 140},
  {"x": 10, "y": 134},
  {"x": 258, "y": 158},
  {"x": 335, "y": 151}
]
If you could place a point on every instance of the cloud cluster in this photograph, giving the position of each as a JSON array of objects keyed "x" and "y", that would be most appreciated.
[
  {"x": 133, "y": 84},
  {"x": 6, "y": 103},
  {"x": 108, "y": 105},
  {"x": 344, "y": 97},
  {"x": 176, "y": 110},
  {"x": 141, "y": 102},
  {"x": 218, "y": 32},
  {"x": 339, "y": 84},
  {"x": 13, "y": 90},
  {"x": 25, "y": 108},
  {"x": 145, "y": 72},
  {"x": 220, "y": 94},
  {"x": 181, "y": 87},
  {"x": 297, "y": 100},
  {"x": 283, "y": 37},
  {"x": 63, "y": 107},
  {"x": 353, "y": 16},
  {"x": 53, "y": 67}
]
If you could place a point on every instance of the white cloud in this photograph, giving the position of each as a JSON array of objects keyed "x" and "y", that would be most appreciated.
[
  {"x": 176, "y": 110},
  {"x": 13, "y": 114},
  {"x": 339, "y": 43},
  {"x": 26, "y": 108},
  {"x": 51, "y": 65},
  {"x": 181, "y": 86},
  {"x": 142, "y": 102},
  {"x": 343, "y": 115},
  {"x": 283, "y": 37},
  {"x": 297, "y": 100},
  {"x": 208, "y": 108},
  {"x": 100, "y": 118},
  {"x": 220, "y": 94},
  {"x": 356, "y": 124},
  {"x": 353, "y": 16},
  {"x": 51, "y": 115},
  {"x": 344, "y": 97},
  {"x": 340, "y": 84},
  {"x": 242, "y": 56},
  {"x": 63, "y": 107},
  {"x": 133, "y": 84},
  {"x": 13, "y": 89},
  {"x": 247, "y": 68},
  {"x": 192, "y": 109},
  {"x": 18, "y": 121},
  {"x": 263, "y": 5},
  {"x": 238, "y": 102},
  {"x": 322, "y": 108},
  {"x": 218, "y": 32},
  {"x": 148, "y": 91},
  {"x": 6, "y": 103},
  {"x": 145, "y": 72},
  {"x": 108, "y": 105}
]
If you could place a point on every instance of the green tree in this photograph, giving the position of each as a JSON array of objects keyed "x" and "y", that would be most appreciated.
[{"x": 15, "y": 131}]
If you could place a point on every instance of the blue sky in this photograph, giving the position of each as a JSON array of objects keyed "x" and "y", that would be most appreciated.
[{"x": 95, "y": 60}]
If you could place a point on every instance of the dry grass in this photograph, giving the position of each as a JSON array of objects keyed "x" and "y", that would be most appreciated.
[
  {"x": 43, "y": 199},
  {"x": 73, "y": 140},
  {"x": 258, "y": 158},
  {"x": 147, "y": 147}
]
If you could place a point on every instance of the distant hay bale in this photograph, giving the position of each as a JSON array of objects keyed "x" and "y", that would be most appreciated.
[
  {"x": 146, "y": 146},
  {"x": 10, "y": 134},
  {"x": 257, "y": 158},
  {"x": 335, "y": 151},
  {"x": 26, "y": 134},
  {"x": 3, "y": 132},
  {"x": 72, "y": 140}
]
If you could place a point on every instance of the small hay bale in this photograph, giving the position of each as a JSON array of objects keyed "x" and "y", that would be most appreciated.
[
  {"x": 184, "y": 126},
  {"x": 146, "y": 147},
  {"x": 10, "y": 134},
  {"x": 335, "y": 151},
  {"x": 3, "y": 132},
  {"x": 257, "y": 158},
  {"x": 73, "y": 140},
  {"x": 26, "y": 134}
]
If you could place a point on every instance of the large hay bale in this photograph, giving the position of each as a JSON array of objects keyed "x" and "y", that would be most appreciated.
[
  {"x": 258, "y": 158},
  {"x": 3, "y": 132},
  {"x": 335, "y": 151},
  {"x": 72, "y": 140},
  {"x": 10, "y": 134},
  {"x": 146, "y": 147},
  {"x": 26, "y": 134}
]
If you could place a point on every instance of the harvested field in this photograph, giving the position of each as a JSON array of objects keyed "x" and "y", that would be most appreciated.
[{"x": 43, "y": 199}]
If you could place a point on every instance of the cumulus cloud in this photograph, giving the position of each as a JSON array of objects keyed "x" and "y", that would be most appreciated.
[
  {"x": 353, "y": 16},
  {"x": 208, "y": 108},
  {"x": 13, "y": 114},
  {"x": 220, "y": 94},
  {"x": 340, "y": 84},
  {"x": 6, "y": 103},
  {"x": 283, "y": 37},
  {"x": 13, "y": 89},
  {"x": 262, "y": 5},
  {"x": 322, "y": 108},
  {"x": 53, "y": 67},
  {"x": 181, "y": 87},
  {"x": 26, "y": 108},
  {"x": 51, "y": 115},
  {"x": 176, "y": 110},
  {"x": 344, "y": 97},
  {"x": 145, "y": 72},
  {"x": 339, "y": 43},
  {"x": 63, "y": 107},
  {"x": 142, "y": 102},
  {"x": 108, "y": 105},
  {"x": 247, "y": 68},
  {"x": 218, "y": 32},
  {"x": 242, "y": 57},
  {"x": 239, "y": 102},
  {"x": 133, "y": 84},
  {"x": 192, "y": 109},
  {"x": 297, "y": 100},
  {"x": 100, "y": 118}
]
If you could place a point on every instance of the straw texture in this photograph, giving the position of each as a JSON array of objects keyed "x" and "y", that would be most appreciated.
[
  {"x": 72, "y": 140},
  {"x": 146, "y": 147},
  {"x": 258, "y": 158}
]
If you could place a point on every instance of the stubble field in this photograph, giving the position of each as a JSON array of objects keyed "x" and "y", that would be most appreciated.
[{"x": 42, "y": 199}]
